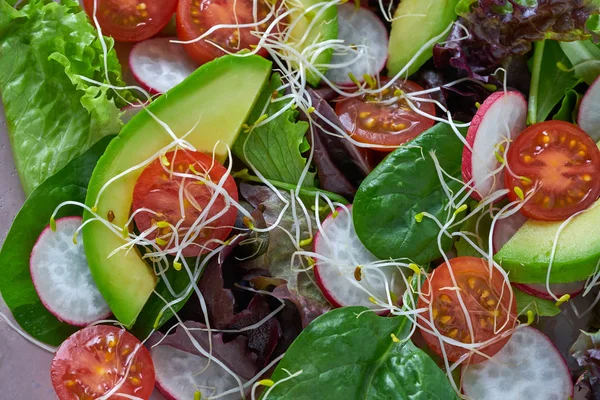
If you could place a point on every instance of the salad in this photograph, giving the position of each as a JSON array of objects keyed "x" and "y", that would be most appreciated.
[{"x": 306, "y": 199}]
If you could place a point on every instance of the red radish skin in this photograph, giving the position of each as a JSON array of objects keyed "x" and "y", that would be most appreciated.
[
  {"x": 348, "y": 252},
  {"x": 178, "y": 375},
  {"x": 573, "y": 289},
  {"x": 360, "y": 27},
  {"x": 487, "y": 129},
  {"x": 529, "y": 366},
  {"x": 62, "y": 278},
  {"x": 588, "y": 118},
  {"x": 159, "y": 65}
]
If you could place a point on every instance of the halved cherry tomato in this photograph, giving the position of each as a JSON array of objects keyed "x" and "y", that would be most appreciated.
[
  {"x": 94, "y": 360},
  {"x": 158, "y": 189},
  {"x": 131, "y": 20},
  {"x": 369, "y": 121},
  {"x": 487, "y": 300},
  {"x": 194, "y": 17},
  {"x": 561, "y": 163}
]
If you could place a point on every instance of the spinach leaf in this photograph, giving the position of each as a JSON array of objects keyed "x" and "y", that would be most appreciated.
[
  {"x": 16, "y": 286},
  {"x": 53, "y": 114},
  {"x": 275, "y": 149},
  {"x": 405, "y": 184},
  {"x": 569, "y": 107},
  {"x": 539, "y": 307},
  {"x": 548, "y": 82},
  {"x": 350, "y": 354},
  {"x": 585, "y": 57}
]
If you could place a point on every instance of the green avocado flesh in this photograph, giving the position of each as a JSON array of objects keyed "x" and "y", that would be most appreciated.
[
  {"x": 527, "y": 254},
  {"x": 216, "y": 99},
  {"x": 318, "y": 25},
  {"x": 415, "y": 23}
]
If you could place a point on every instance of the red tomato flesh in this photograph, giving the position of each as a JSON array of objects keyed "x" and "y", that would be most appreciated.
[
  {"x": 95, "y": 359},
  {"x": 131, "y": 20},
  {"x": 561, "y": 163},
  {"x": 368, "y": 121},
  {"x": 159, "y": 190},
  {"x": 489, "y": 307},
  {"x": 195, "y": 17}
]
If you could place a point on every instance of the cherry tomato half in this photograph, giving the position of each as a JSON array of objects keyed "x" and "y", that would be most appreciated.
[
  {"x": 486, "y": 298},
  {"x": 159, "y": 190},
  {"x": 95, "y": 359},
  {"x": 194, "y": 17},
  {"x": 369, "y": 121},
  {"x": 131, "y": 20},
  {"x": 561, "y": 163}
]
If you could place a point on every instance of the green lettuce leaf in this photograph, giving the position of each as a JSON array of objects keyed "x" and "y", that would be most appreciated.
[
  {"x": 53, "y": 114},
  {"x": 275, "y": 149},
  {"x": 350, "y": 353},
  {"x": 539, "y": 307},
  {"x": 16, "y": 286}
]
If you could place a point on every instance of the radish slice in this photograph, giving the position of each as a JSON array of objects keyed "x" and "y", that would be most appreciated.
[
  {"x": 527, "y": 367},
  {"x": 589, "y": 111},
  {"x": 502, "y": 115},
  {"x": 159, "y": 65},
  {"x": 62, "y": 278},
  {"x": 180, "y": 374},
  {"x": 131, "y": 111},
  {"x": 504, "y": 229},
  {"x": 362, "y": 28},
  {"x": 343, "y": 252},
  {"x": 558, "y": 289}
]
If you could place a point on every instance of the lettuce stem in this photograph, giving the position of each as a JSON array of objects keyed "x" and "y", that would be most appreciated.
[{"x": 538, "y": 55}]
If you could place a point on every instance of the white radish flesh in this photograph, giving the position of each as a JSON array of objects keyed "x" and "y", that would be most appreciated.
[
  {"x": 501, "y": 117},
  {"x": 180, "y": 374},
  {"x": 362, "y": 28},
  {"x": 159, "y": 65},
  {"x": 589, "y": 111},
  {"x": 505, "y": 228},
  {"x": 341, "y": 252},
  {"x": 62, "y": 278},
  {"x": 528, "y": 367}
]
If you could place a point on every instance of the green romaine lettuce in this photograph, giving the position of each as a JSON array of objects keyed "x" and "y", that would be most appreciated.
[{"x": 53, "y": 114}]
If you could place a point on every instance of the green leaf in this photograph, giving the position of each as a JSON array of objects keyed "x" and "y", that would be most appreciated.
[
  {"x": 16, "y": 287},
  {"x": 585, "y": 57},
  {"x": 539, "y": 307},
  {"x": 569, "y": 107},
  {"x": 405, "y": 184},
  {"x": 275, "y": 148},
  {"x": 348, "y": 355},
  {"x": 548, "y": 82},
  {"x": 464, "y": 6},
  {"x": 481, "y": 231},
  {"x": 53, "y": 114}
]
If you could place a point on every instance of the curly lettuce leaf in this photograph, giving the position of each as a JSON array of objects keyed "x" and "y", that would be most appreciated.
[
  {"x": 502, "y": 29},
  {"x": 275, "y": 149},
  {"x": 53, "y": 114}
]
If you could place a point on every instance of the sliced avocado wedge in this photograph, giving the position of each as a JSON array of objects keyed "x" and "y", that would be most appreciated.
[
  {"x": 317, "y": 25},
  {"x": 527, "y": 254},
  {"x": 216, "y": 99},
  {"x": 415, "y": 23}
]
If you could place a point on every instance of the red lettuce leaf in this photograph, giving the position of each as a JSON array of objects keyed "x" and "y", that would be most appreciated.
[{"x": 502, "y": 29}]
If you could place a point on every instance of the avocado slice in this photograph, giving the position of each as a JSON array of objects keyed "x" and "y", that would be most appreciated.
[
  {"x": 527, "y": 254},
  {"x": 415, "y": 23},
  {"x": 318, "y": 25},
  {"x": 218, "y": 98}
]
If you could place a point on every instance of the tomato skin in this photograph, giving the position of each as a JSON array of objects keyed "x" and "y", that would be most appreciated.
[
  {"x": 160, "y": 191},
  {"x": 93, "y": 360},
  {"x": 195, "y": 17},
  {"x": 387, "y": 125},
  {"x": 483, "y": 298},
  {"x": 115, "y": 17},
  {"x": 562, "y": 161}
]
